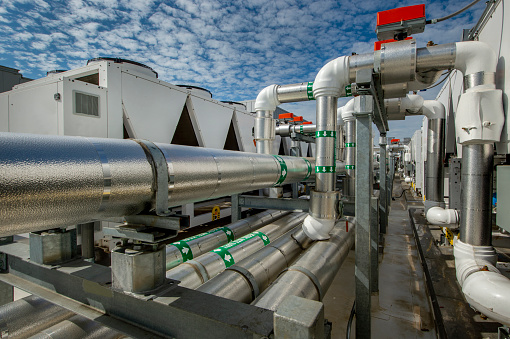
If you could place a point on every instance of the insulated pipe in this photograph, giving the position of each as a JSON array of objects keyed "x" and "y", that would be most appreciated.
[
  {"x": 205, "y": 242},
  {"x": 434, "y": 191},
  {"x": 87, "y": 241},
  {"x": 484, "y": 287},
  {"x": 55, "y": 181},
  {"x": 244, "y": 281},
  {"x": 194, "y": 273},
  {"x": 313, "y": 272},
  {"x": 349, "y": 187},
  {"x": 78, "y": 327},
  {"x": 287, "y": 130},
  {"x": 28, "y": 316},
  {"x": 476, "y": 194},
  {"x": 295, "y": 92}
]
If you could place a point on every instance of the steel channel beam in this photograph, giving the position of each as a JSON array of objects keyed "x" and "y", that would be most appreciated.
[
  {"x": 235, "y": 208},
  {"x": 273, "y": 203},
  {"x": 363, "y": 106},
  {"x": 87, "y": 284},
  {"x": 383, "y": 201},
  {"x": 374, "y": 242}
]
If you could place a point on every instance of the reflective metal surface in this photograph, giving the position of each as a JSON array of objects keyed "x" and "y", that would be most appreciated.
[
  {"x": 435, "y": 157},
  {"x": 203, "y": 244},
  {"x": 293, "y": 92},
  {"x": 287, "y": 130},
  {"x": 479, "y": 78},
  {"x": 398, "y": 64},
  {"x": 189, "y": 273},
  {"x": 312, "y": 273},
  {"x": 28, "y": 316},
  {"x": 358, "y": 62},
  {"x": 476, "y": 194},
  {"x": 78, "y": 327},
  {"x": 325, "y": 158},
  {"x": 350, "y": 160},
  {"x": 264, "y": 132},
  {"x": 438, "y": 57},
  {"x": 324, "y": 205}
]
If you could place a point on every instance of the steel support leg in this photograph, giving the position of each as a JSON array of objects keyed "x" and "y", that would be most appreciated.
[
  {"x": 383, "y": 200},
  {"x": 235, "y": 208},
  {"x": 374, "y": 241},
  {"x": 363, "y": 106},
  {"x": 6, "y": 293},
  {"x": 87, "y": 241}
]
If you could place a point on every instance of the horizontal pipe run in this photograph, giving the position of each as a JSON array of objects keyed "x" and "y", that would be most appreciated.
[
  {"x": 295, "y": 92},
  {"x": 194, "y": 273},
  {"x": 205, "y": 242},
  {"x": 28, "y": 316},
  {"x": 244, "y": 281},
  {"x": 313, "y": 272},
  {"x": 287, "y": 130},
  {"x": 57, "y": 181}
]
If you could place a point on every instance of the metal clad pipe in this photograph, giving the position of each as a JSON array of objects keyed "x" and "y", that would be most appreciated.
[
  {"x": 312, "y": 274},
  {"x": 293, "y": 92},
  {"x": 438, "y": 57},
  {"x": 476, "y": 194},
  {"x": 434, "y": 190},
  {"x": 359, "y": 62},
  {"x": 248, "y": 278},
  {"x": 350, "y": 159},
  {"x": 264, "y": 132},
  {"x": 213, "y": 239},
  {"x": 195, "y": 273},
  {"x": 25, "y": 317},
  {"x": 325, "y": 159}
]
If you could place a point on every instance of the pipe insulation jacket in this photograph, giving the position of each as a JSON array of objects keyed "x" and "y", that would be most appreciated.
[
  {"x": 56, "y": 181},
  {"x": 205, "y": 242},
  {"x": 313, "y": 272},
  {"x": 194, "y": 273},
  {"x": 78, "y": 327},
  {"x": 245, "y": 281},
  {"x": 28, "y": 316}
]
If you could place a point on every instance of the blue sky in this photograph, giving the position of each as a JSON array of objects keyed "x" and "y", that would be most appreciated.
[{"x": 232, "y": 48}]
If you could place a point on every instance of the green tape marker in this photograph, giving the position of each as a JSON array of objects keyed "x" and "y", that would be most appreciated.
[
  {"x": 325, "y": 134},
  {"x": 309, "y": 170},
  {"x": 301, "y": 129},
  {"x": 228, "y": 233},
  {"x": 228, "y": 259},
  {"x": 348, "y": 91},
  {"x": 309, "y": 91},
  {"x": 185, "y": 250},
  {"x": 349, "y": 167},
  {"x": 224, "y": 253},
  {"x": 283, "y": 170},
  {"x": 325, "y": 169},
  {"x": 350, "y": 144}
]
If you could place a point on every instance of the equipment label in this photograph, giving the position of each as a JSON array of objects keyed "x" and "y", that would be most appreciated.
[
  {"x": 185, "y": 250},
  {"x": 325, "y": 134},
  {"x": 350, "y": 144},
  {"x": 309, "y": 91},
  {"x": 325, "y": 169},
  {"x": 283, "y": 170},
  {"x": 349, "y": 167}
]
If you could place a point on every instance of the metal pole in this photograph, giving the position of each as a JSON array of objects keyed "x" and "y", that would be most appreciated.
[
  {"x": 476, "y": 194},
  {"x": 87, "y": 241},
  {"x": 363, "y": 106},
  {"x": 235, "y": 209},
  {"x": 383, "y": 201},
  {"x": 374, "y": 241}
]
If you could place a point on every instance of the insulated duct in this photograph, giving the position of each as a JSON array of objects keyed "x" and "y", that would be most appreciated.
[{"x": 55, "y": 181}]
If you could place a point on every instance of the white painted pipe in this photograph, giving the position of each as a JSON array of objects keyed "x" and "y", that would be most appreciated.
[
  {"x": 482, "y": 284},
  {"x": 441, "y": 216}
]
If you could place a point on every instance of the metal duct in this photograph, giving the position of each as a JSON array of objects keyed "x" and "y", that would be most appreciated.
[
  {"x": 246, "y": 280},
  {"x": 205, "y": 242},
  {"x": 56, "y": 181},
  {"x": 476, "y": 194},
  {"x": 312, "y": 274},
  {"x": 194, "y": 273},
  {"x": 28, "y": 316},
  {"x": 78, "y": 327}
]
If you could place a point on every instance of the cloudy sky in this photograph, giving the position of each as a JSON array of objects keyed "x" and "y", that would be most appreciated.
[{"x": 232, "y": 48}]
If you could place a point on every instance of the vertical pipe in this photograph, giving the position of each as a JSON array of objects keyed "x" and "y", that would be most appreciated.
[
  {"x": 434, "y": 190},
  {"x": 264, "y": 131},
  {"x": 295, "y": 151},
  {"x": 383, "y": 203},
  {"x": 325, "y": 177},
  {"x": 476, "y": 194},
  {"x": 87, "y": 241},
  {"x": 363, "y": 106},
  {"x": 350, "y": 159}
]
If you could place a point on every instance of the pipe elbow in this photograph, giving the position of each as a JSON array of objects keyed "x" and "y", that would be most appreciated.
[
  {"x": 316, "y": 228},
  {"x": 433, "y": 109},
  {"x": 482, "y": 284},
  {"x": 475, "y": 56},
  {"x": 440, "y": 216},
  {"x": 267, "y": 100},
  {"x": 411, "y": 103},
  {"x": 332, "y": 78},
  {"x": 348, "y": 111}
]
